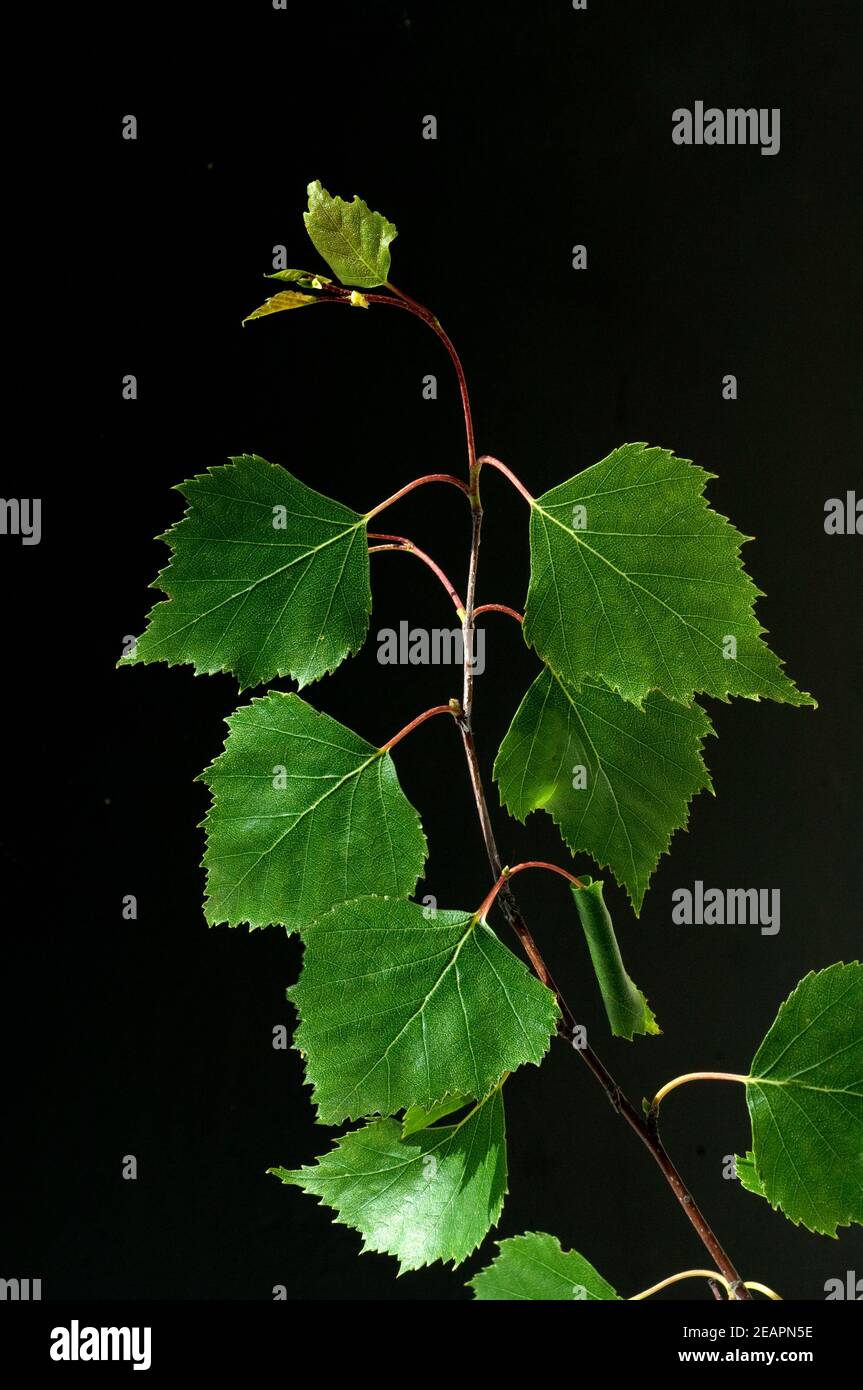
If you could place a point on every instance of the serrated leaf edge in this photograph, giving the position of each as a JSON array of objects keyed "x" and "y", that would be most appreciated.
[
  {"x": 283, "y": 672},
  {"x": 751, "y": 1153},
  {"x": 294, "y": 1177},
  {"x": 202, "y": 825},
  {"x": 636, "y": 902},
  {"x": 806, "y": 702},
  {"x": 426, "y": 1105}
]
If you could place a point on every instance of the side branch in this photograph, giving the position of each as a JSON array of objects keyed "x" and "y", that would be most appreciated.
[
  {"x": 506, "y": 874},
  {"x": 682, "y": 1081},
  {"x": 451, "y": 708},
  {"x": 408, "y": 548},
  {"x": 507, "y": 473},
  {"x": 498, "y": 608},
  {"x": 713, "y": 1279},
  {"x": 403, "y": 301},
  {"x": 470, "y": 609},
  {"x": 418, "y": 482}
]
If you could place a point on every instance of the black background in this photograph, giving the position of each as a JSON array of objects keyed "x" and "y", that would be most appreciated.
[{"x": 153, "y": 1037}]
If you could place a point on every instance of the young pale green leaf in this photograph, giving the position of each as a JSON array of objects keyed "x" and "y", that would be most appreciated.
[
  {"x": 307, "y": 278},
  {"x": 616, "y": 780},
  {"x": 397, "y": 1010},
  {"x": 305, "y": 813},
  {"x": 416, "y": 1117},
  {"x": 353, "y": 240},
  {"x": 534, "y": 1266},
  {"x": 285, "y": 299},
  {"x": 431, "y": 1196},
  {"x": 268, "y": 578},
  {"x": 636, "y": 582},
  {"x": 627, "y": 1009},
  {"x": 805, "y": 1098}
]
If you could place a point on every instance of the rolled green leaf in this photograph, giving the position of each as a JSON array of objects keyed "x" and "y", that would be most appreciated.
[{"x": 627, "y": 1009}]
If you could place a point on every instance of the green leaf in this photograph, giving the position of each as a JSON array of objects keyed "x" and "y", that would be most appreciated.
[
  {"x": 805, "y": 1098},
  {"x": 268, "y": 578},
  {"x": 616, "y": 780},
  {"x": 431, "y": 1196},
  {"x": 285, "y": 299},
  {"x": 627, "y": 1009},
  {"x": 746, "y": 1173},
  {"x": 305, "y": 813},
  {"x": 353, "y": 241},
  {"x": 309, "y": 279},
  {"x": 636, "y": 582},
  {"x": 397, "y": 1010},
  {"x": 416, "y": 1117},
  {"x": 533, "y": 1266}
]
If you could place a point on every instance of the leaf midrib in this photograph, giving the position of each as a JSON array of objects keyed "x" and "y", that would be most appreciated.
[
  {"x": 264, "y": 579},
  {"x": 418, "y": 1013},
  {"x": 791, "y": 1083},
  {"x": 761, "y": 675},
  {"x": 271, "y": 849},
  {"x": 337, "y": 227}
]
